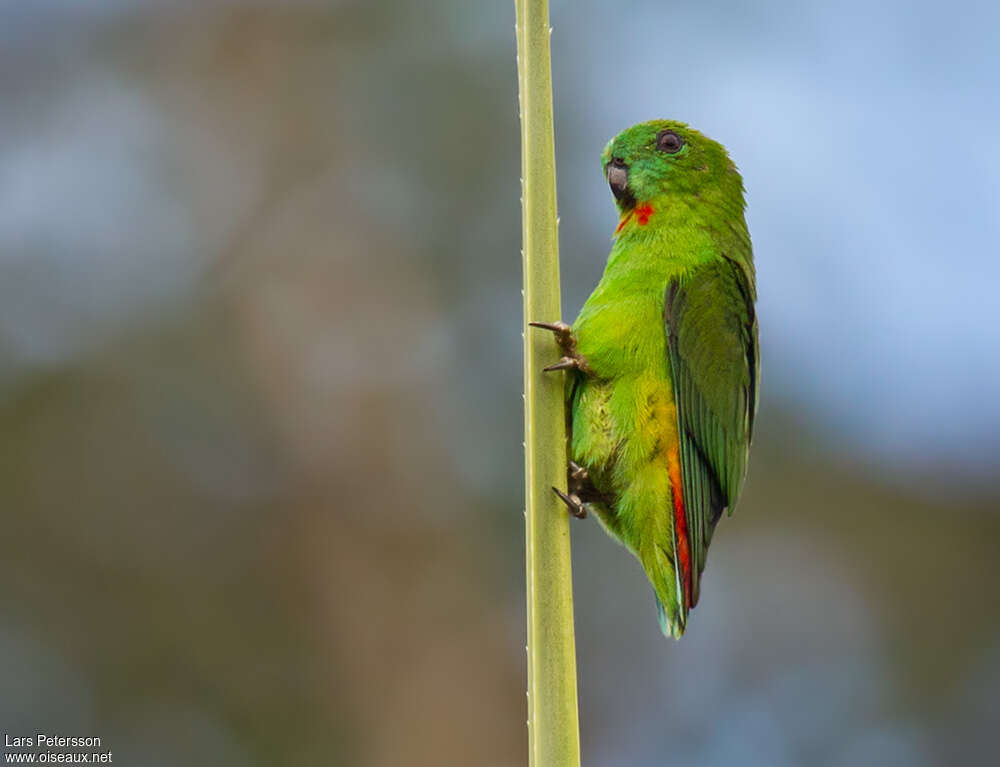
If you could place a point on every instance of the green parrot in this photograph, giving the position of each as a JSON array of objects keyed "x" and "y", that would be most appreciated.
[{"x": 662, "y": 363}]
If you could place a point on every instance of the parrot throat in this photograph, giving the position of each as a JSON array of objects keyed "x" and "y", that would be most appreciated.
[
  {"x": 680, "y": 524},
  {"x": 640, "y": 213}
]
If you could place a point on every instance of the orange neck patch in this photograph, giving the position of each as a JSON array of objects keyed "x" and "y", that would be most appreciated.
[{"x": 641, "y": 215}]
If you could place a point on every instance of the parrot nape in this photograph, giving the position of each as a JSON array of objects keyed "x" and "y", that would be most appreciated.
[{"x": 662, "y": 362}]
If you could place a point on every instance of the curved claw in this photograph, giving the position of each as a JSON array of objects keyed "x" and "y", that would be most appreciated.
[
  {"x": 577, "y": 472},
  {"x": 566, "y": 363},
  {"x": 555, "y": 327},
  {"x": 564, "y": 334},
  {"x": 573, "y": 502}
]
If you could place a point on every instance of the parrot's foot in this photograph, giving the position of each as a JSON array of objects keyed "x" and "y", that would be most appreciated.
[
  {"x": 567, "y": 345},
  {"x": 579, "y": 479},
  {"x": 573, "y": 502},
  {"x": 581, "y": 491}
]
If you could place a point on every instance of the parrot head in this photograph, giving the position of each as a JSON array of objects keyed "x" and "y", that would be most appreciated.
[{"x": 666, "y": 159}]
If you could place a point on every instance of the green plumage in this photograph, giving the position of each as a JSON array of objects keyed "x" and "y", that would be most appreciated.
[{"x": 669, "y": 337}]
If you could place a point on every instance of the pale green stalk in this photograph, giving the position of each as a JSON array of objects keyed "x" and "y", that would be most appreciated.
[{"x": 553, "y": 727}]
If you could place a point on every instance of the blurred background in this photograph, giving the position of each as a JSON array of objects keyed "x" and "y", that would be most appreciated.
[{"x": 260, "y": 376}]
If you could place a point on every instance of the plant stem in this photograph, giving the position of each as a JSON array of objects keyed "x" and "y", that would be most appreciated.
[{"x": 553, "y": 727}]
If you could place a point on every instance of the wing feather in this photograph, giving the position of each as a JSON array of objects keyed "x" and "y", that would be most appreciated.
[{"x": 712, "y": 347}]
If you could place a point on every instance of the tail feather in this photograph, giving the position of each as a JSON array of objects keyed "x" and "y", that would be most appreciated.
[
  {"x": 670, "y": 625},
  {"x": 654, "y": 504}
]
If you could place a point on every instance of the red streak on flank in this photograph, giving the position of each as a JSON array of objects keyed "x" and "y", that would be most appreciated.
[{"x": 680, "y": 524}]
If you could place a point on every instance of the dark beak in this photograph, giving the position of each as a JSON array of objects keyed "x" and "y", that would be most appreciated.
[{"x": 618, "y": 178}]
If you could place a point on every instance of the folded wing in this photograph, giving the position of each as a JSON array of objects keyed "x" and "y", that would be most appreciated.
[{"x": 712, "y": 347}]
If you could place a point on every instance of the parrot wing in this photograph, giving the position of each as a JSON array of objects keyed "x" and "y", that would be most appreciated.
[{"x": 712, "y": 347}]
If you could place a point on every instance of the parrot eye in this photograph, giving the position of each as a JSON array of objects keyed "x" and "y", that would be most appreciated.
[{"x": 669, "y": 142}]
